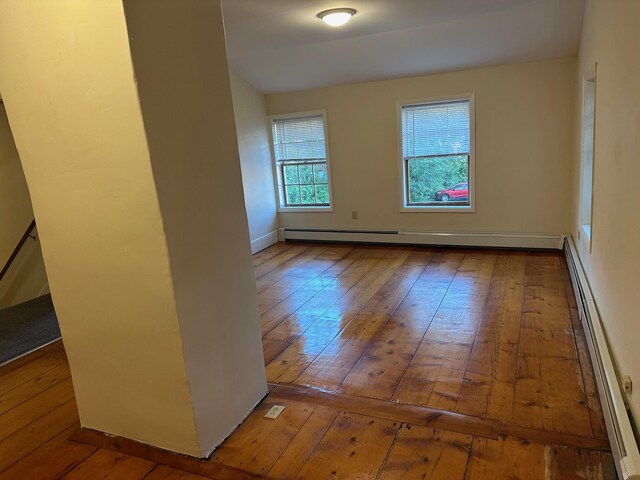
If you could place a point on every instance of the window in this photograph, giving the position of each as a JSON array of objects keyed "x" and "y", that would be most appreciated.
[
  {"x": 300, "y": 157},
  {"x": 437, "y": 155},
  {"x": 588, "y": 132}
]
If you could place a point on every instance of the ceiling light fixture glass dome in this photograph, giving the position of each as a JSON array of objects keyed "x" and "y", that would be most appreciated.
[{"x": 336, "y": 17}]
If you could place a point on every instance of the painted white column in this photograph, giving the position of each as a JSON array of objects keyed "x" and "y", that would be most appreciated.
[
  {"x": 126, "y": 133},
  {"x": 180, "y": 61}
]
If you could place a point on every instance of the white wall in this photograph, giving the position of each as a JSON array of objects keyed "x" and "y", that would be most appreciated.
[
  {"x": 185, "y": 97},
  {"x": 611, "y": 37},
  {"x": 71, "y": 98},
  {"x": 255, "y": 160},
  {"x": 524, "y": 146},
  {"x": 26, "y": 278}
]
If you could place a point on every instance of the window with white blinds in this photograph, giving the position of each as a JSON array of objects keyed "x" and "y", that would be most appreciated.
[
  {"x": 436, "y": 153},
  {"x": 299, "y": 139},
  {"x": 300, "y": 156}
]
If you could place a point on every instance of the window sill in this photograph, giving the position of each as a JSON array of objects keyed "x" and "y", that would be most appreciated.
[
  {"x": 585, "y": 233},
  {"x": 586, "y": 229},
  {"x": 305, "y": 209},
  {"x": 448, "y": 209}
]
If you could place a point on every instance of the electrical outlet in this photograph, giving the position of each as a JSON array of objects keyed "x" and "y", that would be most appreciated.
[
  {"x": 627, "y": 385},
  {"x": 274, "y": 412},
  {"x": 354, "y": 215}
]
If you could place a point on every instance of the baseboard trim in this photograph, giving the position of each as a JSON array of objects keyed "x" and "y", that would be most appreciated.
[
  {"x": 621, "y": 431},
  {"x": 406, "y": 237},
  {"x": 263, "y": 242}
]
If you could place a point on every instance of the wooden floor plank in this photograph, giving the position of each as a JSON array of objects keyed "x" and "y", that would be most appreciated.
[
  {"x": 34, "y": 435},
  {"x": 576, "y": 464},
  {"x": 401, "y": 413},
  {"x": 270, "y": 252},
  {"x": 506, "y": 458},
  {"x": 162, "y": 472},
  {"x": 355, "y": 446},
  {"x": 380, "y": 298},
  {"x": 273, "y": 348},
  {"x": 565, "y": 410},
  {"x": 34, "y": 386},
  {"x": 34, "y": 408},
  {"x": 303, "y": 272},
  {"x": 282, "y": 321},
  {"x": 279, "y": 261},
  {"x": 519, "y": 459},
  {"x": 27, "y": 371},
  {"x": 421, "y": 452},
  {"x": 325, "y": 292},
  {"x": 429, "y": 368},
  {"x": 301, "y": 362},
  {"x": 459, "y": 316},
  {"x": 105, "y": 464},
  {"x": 490, "y": 373},
  {"x": 269, "y": 442},
  {"x": 304, "y": 444},
  {"x": 385, "y": 359},
  {"x": 586, "y": 368},
  {"x": 206, "y": 468},
  {"x": 431, "y": 363},
  {"x": 549, "y": 393},
  {"x": 51, "y": 461}
]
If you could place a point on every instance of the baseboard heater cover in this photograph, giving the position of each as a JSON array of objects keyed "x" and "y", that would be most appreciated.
[
  {"x": 407, "y": 237},
  {"x": 624, "y": 444}
]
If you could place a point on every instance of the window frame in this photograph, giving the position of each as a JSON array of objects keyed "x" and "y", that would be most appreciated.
[
  {"x": 277, "y": 171},
  {"x": 402, "y": 173},
  {"x": 586, "y": 230}
]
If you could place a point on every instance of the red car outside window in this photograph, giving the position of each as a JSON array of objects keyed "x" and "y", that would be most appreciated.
[{"x": 458, "y": 193}]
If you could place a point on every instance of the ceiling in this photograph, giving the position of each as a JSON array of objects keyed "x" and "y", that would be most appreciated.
[{"x": 280, "y": 45}]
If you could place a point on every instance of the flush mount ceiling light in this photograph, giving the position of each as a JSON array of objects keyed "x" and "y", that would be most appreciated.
[{"x": 336, "y": 17}]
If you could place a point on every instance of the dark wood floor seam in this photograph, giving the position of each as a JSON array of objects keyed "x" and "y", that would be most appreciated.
[
  {"x": 431, "y": 417},
  {"x": 399, "y": 412}
]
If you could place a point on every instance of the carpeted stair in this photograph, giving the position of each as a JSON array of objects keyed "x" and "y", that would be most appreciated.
[{"x": 27, "y": 326}]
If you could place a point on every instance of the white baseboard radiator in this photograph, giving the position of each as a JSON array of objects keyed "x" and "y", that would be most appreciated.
[
  {"x": 407, "y": 237},
  {"x": 624, "y": 445}
]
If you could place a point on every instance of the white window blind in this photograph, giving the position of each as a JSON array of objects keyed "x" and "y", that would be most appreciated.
[
  {"x": 436, "y": 129},
  {"x": 299, "y": 139},
  {"x": 300, "y": 156}
]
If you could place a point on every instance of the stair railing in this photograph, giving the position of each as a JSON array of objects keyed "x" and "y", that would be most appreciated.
[{"x": 14, "y": 254}]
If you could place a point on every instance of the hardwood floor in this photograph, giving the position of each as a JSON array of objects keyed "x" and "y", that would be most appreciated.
[{"x": 392, "y": 363}]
